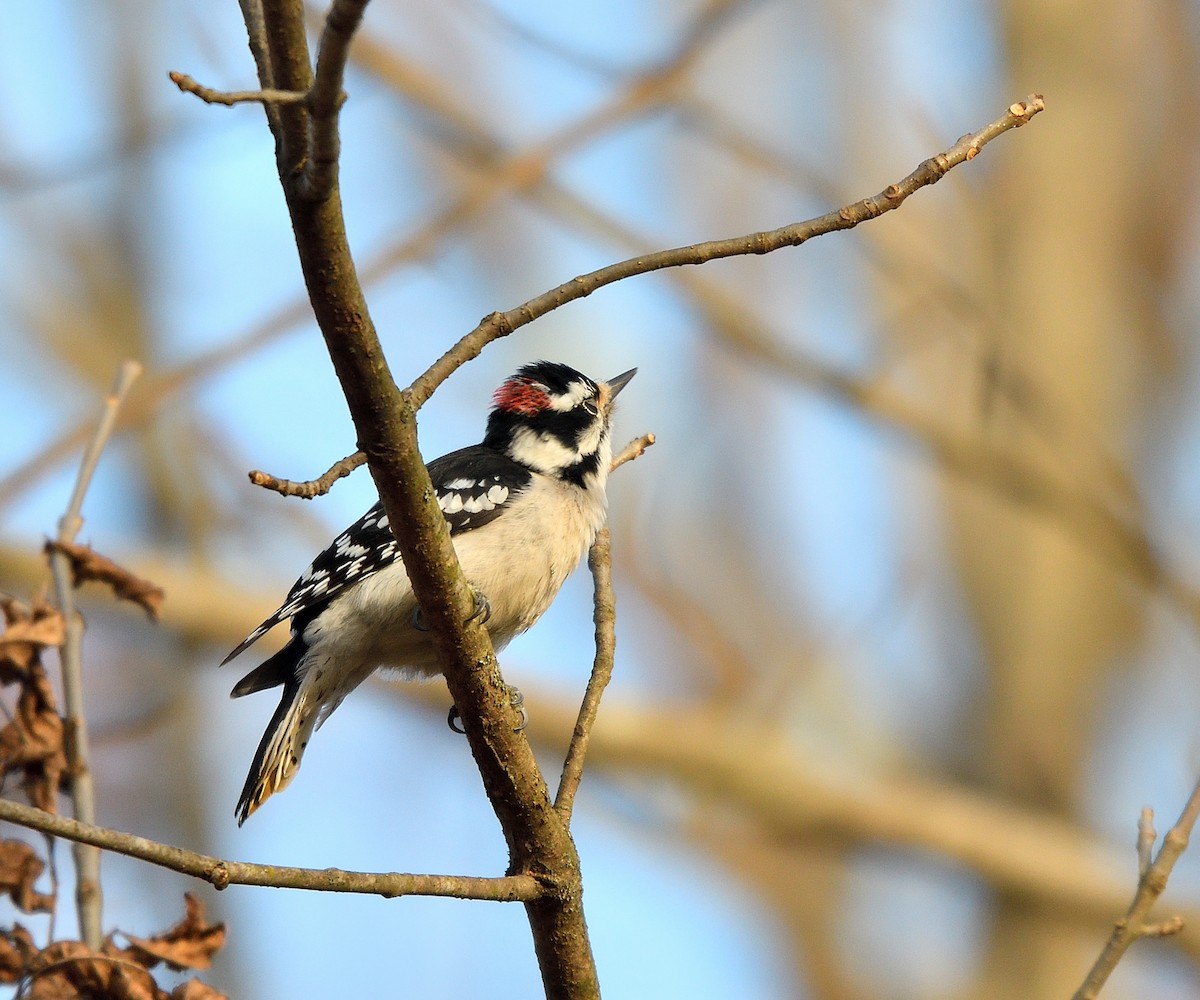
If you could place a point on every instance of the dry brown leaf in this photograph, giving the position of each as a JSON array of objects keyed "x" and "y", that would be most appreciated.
[
  {"x": 88, "y": 564},
  {"x": 20, "y": 867},
  {"x": 17, "y": 951},
  {"x": 193, "y": 989},
  {"x": 27, "y": 631},
  {"x": 68, "y": 970},
  {"x": 190, "y": 944},
  {"x": 32, "y": 743}
]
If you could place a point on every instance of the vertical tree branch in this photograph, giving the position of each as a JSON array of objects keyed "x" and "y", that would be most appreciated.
[
  {"x": 604, "y": 615},
  {"x": 282, "y": 28},
  {"x": 385, "y": 420},
  {"x": 88, "y": 898}
]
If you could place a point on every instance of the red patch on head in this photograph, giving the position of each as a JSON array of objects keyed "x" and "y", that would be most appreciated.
[{"x": 518, "y": 395}]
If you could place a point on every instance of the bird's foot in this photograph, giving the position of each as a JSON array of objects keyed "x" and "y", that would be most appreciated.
[
  {"x": 483, "y": 607},
  {"x": 515, "y": 698},
  {"x": 482, "y": 610}
]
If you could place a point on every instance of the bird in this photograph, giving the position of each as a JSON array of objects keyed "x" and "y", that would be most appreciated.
[{"x": 523, "y": 506}]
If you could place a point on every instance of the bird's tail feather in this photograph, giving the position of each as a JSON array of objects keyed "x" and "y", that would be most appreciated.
[
  {"x": 278, "y": 756},
  {"x": 279, "y": 668}
]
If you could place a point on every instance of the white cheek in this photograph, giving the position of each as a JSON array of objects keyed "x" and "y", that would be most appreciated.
[{"x": 542, "y": 452}]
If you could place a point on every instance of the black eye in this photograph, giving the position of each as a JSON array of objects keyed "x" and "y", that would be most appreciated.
[{"x": 591, "y": 406}]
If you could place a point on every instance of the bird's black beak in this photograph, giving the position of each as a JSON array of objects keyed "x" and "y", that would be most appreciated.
[{"x": 615, "y": 385}]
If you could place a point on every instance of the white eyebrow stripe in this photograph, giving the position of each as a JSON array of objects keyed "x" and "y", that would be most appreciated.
[{"x": 576, "y": 393}]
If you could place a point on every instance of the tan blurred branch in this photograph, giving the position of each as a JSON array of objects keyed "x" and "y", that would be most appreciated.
[
  {"x": 221, "y": 873},
  {"x": 88, "y": 897},
  {"x": 1152, "y": 880},
  {"x": 1018, "y": 851}
]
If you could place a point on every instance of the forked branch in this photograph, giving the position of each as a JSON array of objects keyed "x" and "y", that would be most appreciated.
[{"x": 1153, "y": 873}]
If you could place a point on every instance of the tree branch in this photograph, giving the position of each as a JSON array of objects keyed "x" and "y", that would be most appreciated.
[
  {"x": 231, "y": 97},
  {"x": 312, "y": 487},
  {"x": 221, "y": 873},
  {"x": 605, "y": 618},
  {"x": 501, "y": 324},
  {"x": 88, "y": 897},
  {"x": 1152, "y": 881},
  {"x": 385, "y": 420},
  {"x": 326, "y": 97}
]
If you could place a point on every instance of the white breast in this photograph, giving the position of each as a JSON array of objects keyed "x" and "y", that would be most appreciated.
[{"x": 519, "y": 561}]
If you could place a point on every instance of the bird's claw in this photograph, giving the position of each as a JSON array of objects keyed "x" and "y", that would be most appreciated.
[
  {"x": 482, "y": 610},
  {"x": 515, "y": 698}
]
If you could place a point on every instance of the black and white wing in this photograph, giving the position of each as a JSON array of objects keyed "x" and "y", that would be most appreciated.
[
  {"x": 366, "y": 547},
  {"x": 473, "y": 487}
]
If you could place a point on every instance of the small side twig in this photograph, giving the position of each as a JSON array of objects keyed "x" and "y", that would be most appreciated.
[
  {"x": 604, "y": 615},
  {"x": 221, "y": 873},
  {"x": 635, "y": 449},
  {"x": 88, "y": 898},
  {"x": 1152, "y": 882},
  {"x": 322, "y": 96},
  {"x": 313, "y": 487},
  {"x": 229, "y": 98}
]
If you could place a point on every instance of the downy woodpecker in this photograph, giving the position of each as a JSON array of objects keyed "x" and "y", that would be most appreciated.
[{"x": 523, "y": 507}]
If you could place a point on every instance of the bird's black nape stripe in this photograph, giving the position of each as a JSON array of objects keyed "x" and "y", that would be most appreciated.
[{"x": 576, "y": 474}]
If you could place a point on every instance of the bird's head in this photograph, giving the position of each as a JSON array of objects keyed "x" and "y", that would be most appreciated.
[{"x": 554, "y": 420}]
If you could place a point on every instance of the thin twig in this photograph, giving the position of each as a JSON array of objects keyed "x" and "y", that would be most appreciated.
[
  {"x": 604, "y": 615},
  {"x": 256, "y": 36},
  {"x": 221, "y": 873},
  {"x": 1151, "y": 884},
  {"x": 312, "y": 487},
  {"x": 326, "y": 98},
  {"x": 88, "y": 898},
  {"x": 231, "y": 97},
  {"x": 501, "y": 324},
  {"x": 635, "y": 449},
  {"x": 1146, "y": 837}
]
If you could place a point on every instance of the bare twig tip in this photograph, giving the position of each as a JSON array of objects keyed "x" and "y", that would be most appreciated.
[
  {"x": 1167, "y": 928},
  {"x": 1028, "y": 108},
  {"x": 635, "y": 449}
]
